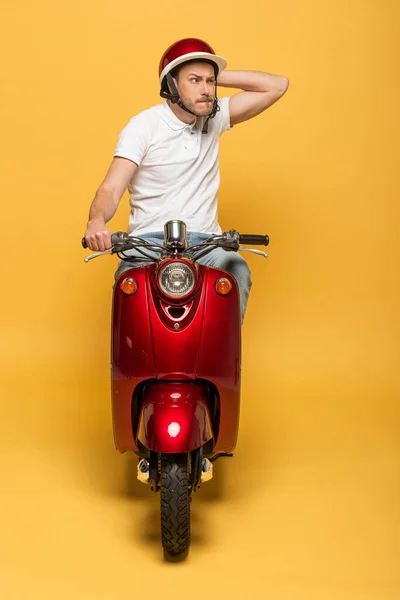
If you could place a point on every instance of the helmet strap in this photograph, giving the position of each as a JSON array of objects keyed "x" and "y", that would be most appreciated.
[
  {"x": 212, "y": 114},
  {"x": 174, "y": 94}
]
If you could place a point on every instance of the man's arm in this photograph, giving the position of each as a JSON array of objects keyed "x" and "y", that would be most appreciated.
[
  {"x": 106, "y": 202},
  {"x": 261, "y": 90}
]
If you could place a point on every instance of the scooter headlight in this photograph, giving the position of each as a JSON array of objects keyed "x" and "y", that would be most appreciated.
[{"x": 176, "y": 279}]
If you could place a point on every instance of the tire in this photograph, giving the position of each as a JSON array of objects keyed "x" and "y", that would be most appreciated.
[{"x": 175, "y": 504}]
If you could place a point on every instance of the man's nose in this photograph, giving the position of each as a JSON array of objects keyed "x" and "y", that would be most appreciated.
[{"x": 206, "y": 89}]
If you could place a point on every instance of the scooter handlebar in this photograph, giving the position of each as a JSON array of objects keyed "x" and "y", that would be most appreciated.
[
  {"x": 121, "y": 237},
  {"x": 254, "y": 240}
]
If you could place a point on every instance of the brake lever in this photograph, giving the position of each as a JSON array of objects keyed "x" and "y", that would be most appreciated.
[
  {"x": 254, "y": 251},
  {"x": 91, "y": 256}
]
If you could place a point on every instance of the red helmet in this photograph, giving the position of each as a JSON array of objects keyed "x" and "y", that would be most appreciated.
[{"x": 188, "y": 49}]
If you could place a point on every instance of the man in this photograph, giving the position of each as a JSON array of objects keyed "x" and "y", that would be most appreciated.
[{"x": 167, "y": 156}]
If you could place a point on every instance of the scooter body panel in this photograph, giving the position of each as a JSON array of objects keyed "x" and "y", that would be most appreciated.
[
  {"x": 147, "y": 345},
  {"x": 175, "y": 417}
]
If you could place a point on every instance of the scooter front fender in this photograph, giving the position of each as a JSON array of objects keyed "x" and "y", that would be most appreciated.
[{"x": 175, "y": 417}]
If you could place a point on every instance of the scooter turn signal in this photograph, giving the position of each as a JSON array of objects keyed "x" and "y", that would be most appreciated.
[{"x": 129, "y": 286}]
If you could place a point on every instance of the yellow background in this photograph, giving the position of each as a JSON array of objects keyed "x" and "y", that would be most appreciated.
[{"x": 309, "y": 506}]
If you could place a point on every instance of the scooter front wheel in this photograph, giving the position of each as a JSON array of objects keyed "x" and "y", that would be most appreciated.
[{"x": 175, "y": 504}]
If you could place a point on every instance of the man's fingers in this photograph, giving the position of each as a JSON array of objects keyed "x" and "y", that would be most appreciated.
[
  {"x": 92, "y": 242},
  {"x": 99, "y": 241}
]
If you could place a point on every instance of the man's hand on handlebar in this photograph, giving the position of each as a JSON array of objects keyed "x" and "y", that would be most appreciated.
[{"x": 97, "y": 236}]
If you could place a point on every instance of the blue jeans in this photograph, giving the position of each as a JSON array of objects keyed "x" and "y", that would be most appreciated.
[{"x": 231, "y": 262}]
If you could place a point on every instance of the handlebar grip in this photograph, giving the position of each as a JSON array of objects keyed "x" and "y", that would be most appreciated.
[
  {"x": 255, "y": 240},
  {"x": 118, "y": 238}
]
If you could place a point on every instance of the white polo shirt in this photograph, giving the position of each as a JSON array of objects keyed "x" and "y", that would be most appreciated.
[{"x": 178, "y": 175}]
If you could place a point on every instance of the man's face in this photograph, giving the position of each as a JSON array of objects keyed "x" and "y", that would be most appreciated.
[{"x": 196, "y": 84}]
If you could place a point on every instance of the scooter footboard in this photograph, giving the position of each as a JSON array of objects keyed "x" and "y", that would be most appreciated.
[{"x": 175, "y": 417}]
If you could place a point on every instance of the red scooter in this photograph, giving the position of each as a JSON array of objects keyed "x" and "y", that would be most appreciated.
[{"x": 176, "y": 362}]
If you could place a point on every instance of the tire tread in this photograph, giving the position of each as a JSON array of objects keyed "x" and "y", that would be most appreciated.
[{"x": 175, "y": 503}]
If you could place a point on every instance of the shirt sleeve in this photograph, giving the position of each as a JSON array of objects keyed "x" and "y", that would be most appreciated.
[{"x": 133, "y": 141}]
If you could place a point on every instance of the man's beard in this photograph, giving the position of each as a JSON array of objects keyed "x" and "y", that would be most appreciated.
[{"x": 194, "y": 107}]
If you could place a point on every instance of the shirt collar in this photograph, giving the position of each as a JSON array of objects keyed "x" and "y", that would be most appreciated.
[{"x": 172, "y": 120}]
